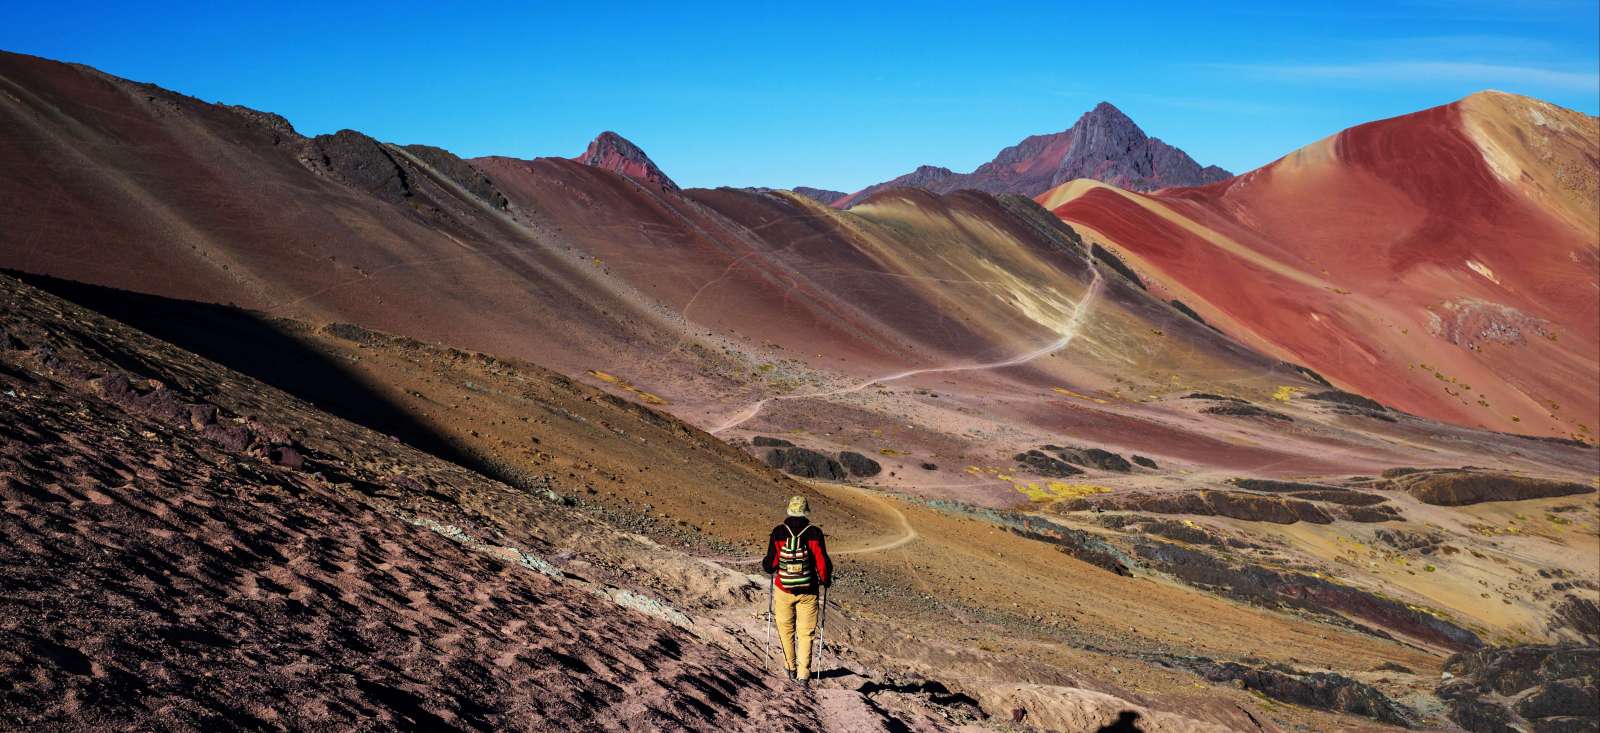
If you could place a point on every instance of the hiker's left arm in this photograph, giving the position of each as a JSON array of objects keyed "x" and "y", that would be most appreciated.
[{"x": 819, "y": 548}]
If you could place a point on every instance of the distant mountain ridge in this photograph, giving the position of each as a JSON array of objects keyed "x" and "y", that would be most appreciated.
[{"x": 1104, "y": 144}]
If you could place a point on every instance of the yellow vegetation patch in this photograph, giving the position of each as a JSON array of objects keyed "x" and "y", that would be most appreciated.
[
  {"x": 1070, "y": 393},
  {"x": 1286, "y": 393},
  {"x": 647, "y": 397},
  {"x": 1058, "y": 491}
]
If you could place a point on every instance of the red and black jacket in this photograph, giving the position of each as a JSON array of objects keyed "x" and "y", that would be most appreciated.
[{"x": 797, "y": 557}]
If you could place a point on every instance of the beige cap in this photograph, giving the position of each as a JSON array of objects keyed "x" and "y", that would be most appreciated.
[{"x": 799, "y": 507}]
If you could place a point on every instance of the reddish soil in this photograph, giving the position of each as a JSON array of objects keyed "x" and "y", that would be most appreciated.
[{"x": 1358, "y": 248}]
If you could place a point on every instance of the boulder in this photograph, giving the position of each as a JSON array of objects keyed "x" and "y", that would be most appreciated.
[
  {"x": 1459, "y": 487},
  {"x": 805, "y": 463},
  {"x": 762, "y": 441},
  {"x": 1096, "y": 458},
  {"x": 1244, "y": 409},
  {"x": 1141, "y": 460},
  {"x": 859, "y": 465},
  {"x": 1322, "y": 690},
  {"x": 1045, "y": 465},
  {"x": 1565, "y": 698}
]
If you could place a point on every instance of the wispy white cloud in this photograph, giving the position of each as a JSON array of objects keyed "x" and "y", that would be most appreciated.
[{"x": 1410, "y": 72}]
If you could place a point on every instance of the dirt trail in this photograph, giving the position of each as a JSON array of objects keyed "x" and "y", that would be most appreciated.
[
  {"x": 1074, "y": 324},
  {"x": 907, "y": 532}
]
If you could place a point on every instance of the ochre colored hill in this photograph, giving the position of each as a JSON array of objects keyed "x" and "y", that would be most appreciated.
[{"x": 1443, "y": 262}]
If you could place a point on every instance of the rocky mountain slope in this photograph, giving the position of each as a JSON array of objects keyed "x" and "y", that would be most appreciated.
[
  {"x": 1442, "y": 262},
  {"x": 1126, "y": 497},
  {"x": 1104, "y": 145}
]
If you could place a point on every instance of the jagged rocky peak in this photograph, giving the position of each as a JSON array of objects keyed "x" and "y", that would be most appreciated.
[{"x": 617, "y": 154}]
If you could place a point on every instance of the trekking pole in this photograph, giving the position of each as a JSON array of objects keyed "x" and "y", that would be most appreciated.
[
  {"x": 822, "y": 631},
  {"x": 772, "y": 621}
]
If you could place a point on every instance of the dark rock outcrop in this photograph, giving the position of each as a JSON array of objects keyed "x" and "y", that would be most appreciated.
[
  {"x": 1101, "y": 254},
  {"x": 1458, "y": 487},
  {"x": 1533, "y": 687},
  {"x": 859, "y": 465},
  {"x": 1181, "y": 307},
  {"x": 1096, "y": 458},
  {"x": 1234, "y": 504},
  {"x": 763, "y": 441},
  {"x": 359, "y": 162},
  {"x": 1321, "y": 690},
  {"x": 1143, "y": 461},
  {"x": 1346, "y": 398},
  {"x": 1578, "y": 616},
  {"x": 460, "y": 172},
  {"x": 1045, "y": 465},
  {"x": 1240, "y": 408},
  {"x": 806, "y": 463},
  {"x": 1310, "y": 491}
]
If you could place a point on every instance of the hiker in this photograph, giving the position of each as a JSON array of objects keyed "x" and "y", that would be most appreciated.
[{"x": 797, "y": 559}]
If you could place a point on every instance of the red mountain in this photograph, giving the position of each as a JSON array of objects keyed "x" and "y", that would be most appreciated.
[
  {"x": 1104, "y": 144},
  {"x": 1443, "y": 262},
  {"x": 615, "y": 153}
]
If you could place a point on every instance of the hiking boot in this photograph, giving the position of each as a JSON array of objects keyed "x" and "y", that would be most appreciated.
[{"x": 790, "y": 674}]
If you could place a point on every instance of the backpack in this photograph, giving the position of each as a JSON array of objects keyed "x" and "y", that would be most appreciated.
[{"x": 797, "y": 568}]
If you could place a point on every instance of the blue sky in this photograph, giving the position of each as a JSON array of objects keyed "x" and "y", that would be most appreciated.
[{"x": 836, "y": 95}]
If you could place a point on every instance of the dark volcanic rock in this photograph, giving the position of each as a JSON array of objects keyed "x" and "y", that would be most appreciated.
[
  {"x": 1211, "y": 397},
  {"x": 1186, "y": 310},
  {"x": 462, "y": 173},
  {"x": 362, "y": 163},
  {"x": 930, "y": 467},
  {"x": 1114, "y": 262},
  {"x": 1141, "y": 460},
  {"x": 1537, "y": 687},
  {"x": 1453, "y": 487},
  {"x": 1482, "y": 716},
  {"x": 1346, "y": 398},
  {"x": 1322, "y": 690},
  {"x": 1045, "y": 465},
  {"x": 1096, "y": 458},
  {"x": 1240, "y": 408},
  {"x": 1577, "y": 615},
  {"x": 762, "y": 441},
  {"x": 1275, "y": 486},
  {"x": 1562, "y": 698},
  {"x": 1312, "y": 492},
  {"x": 805, "y": 462},
  {"x": 1235, "y": 504},
  {"x": 859, "y": 465}
]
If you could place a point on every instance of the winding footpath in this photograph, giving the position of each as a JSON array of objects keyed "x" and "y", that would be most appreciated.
[{"x": 1074, "y": 324}]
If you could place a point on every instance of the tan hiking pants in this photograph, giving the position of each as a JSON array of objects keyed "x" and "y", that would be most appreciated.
[{"x": 796, "y": 615}]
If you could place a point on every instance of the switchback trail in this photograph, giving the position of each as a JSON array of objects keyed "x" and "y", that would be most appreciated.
[
  {"x": 906, "y": 535},
  {"x": 1074, "y": 323}
]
